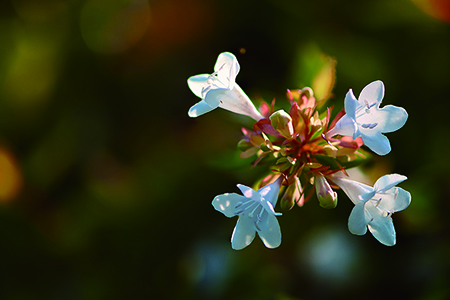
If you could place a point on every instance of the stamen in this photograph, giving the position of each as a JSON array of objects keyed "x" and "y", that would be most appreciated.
[
  {"x": 213, "y": 78},
  {"x": 368, "y": 106},
  {"x": 258, "y": 216},
  {"x": 396, "y": 193},
  {"x": 253, "y": 211},
  {"x": 221, "y": 67},
  {"x": 378, "y": 202},
  {"x": 256, "y": 225},
  {"x": 390, "y": 213},
  {"x": 212, "y": 75},
  {"x": 242, "y": 207},
  {"x": 369, "y": 126}
]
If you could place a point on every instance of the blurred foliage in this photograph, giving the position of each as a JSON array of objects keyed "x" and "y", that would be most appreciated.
[{"x": 106, "y": 183}]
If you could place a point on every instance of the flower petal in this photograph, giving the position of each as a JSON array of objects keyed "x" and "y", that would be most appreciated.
[
  {"x": 384, "y": 232},
  {"x": 387, "y": 119},
  {"x": 234, "y": 100},
  {"x": 270, "y": 191},
  {"x": 353, "y": 189},
  {"x": 240, "y": 103},
  {"x": 395, "y": 118},
  {"x": 227, "y": 67},
  {"x": 248, "y": 192},
  {"x": 267, "y": 205},
  {"x": 378, "y": 143},
  {"x": 199, "y": 109},
  {"x": 217, "y": 95},
  {"x": 270, "y": 232},
  {"x": 198, "y": 83},
  {"x": 226, "y": 203},
  {"x": 382, "y": 228},
  {"x": 345, "y": 126},
  {"x": 350, "y": 105},
  {"x": 396, "y": 200},
  {"x": 372, "y": 93},
  {"x": 386, "y": 182},
  {"x": 358, "y": 220},
  {"x": 243, "y": 233},
  {"x": 403, "y": 200}
]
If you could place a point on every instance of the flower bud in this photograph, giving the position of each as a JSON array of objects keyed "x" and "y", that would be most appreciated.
[
  {"x": 292, "y": 195},
  {"x": 282, "y": 122},
  {"x": 325, "y": 194},
  {"x": 306, "y": 98},
  {"x": 329, "y": 150},
  {"x": 307, "y": 92},
  {"x": 315, "y": 122}
]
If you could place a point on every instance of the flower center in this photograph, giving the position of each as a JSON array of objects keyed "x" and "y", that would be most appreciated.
[
  {"x": 213, "y": 81},
  {"x": 253, "y": 208},
  {"x": 366, "y": 108},
  {"x": 366, "y": 111},
  {"x": 383, "y": 211}
]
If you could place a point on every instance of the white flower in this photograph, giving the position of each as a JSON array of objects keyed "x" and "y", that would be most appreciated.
[
  {"x": 256, "y": 214},
  {"x": 220, "y": 90},
  {"x": 374, "y": 206},
  {"x": 366, "y": 119}
]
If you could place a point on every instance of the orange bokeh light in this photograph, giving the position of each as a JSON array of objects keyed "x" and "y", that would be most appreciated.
[
  {"x": 439, "y": 9},
  {"x": 10, "y": 176}
]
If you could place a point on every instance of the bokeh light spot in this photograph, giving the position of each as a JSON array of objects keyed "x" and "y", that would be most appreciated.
[
  {"x": 330, "y": 256},
  {"x": 31, "y": 75},
  {"x": 439, "y": 9},
  {"x": 10, "y": 176}
]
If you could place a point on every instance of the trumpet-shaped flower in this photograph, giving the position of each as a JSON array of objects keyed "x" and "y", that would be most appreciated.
[
  {"x": 366, "y": 119},
  {"x": 256, "y": 214},
  {"x": 219, "y": 89},
  {"x": 375, "y": 205}
]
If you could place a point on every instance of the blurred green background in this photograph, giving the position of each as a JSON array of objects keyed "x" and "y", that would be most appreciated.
[{"x": 106, "y": 183}]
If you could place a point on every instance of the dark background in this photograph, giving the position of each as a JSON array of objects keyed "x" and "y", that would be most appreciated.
[{"x": 106, "y": 183}]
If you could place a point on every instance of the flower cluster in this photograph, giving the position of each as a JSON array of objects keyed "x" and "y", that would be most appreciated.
[{"x": 307, "y": 153}]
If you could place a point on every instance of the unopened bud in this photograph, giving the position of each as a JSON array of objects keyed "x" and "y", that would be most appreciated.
[
  {"x": 282, "y": 122},
  {"x": 307, "y": 98},
  {"x": 316, "y": 123},
  {"x": 307, "y": 91},
  {"x": 292, "y": 195},
  {"x": 330, "y": 150},
  {"x": 325, "y": 194}
]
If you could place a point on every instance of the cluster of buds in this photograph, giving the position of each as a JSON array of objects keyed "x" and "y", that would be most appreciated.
[{"x": 307, "y": 153}]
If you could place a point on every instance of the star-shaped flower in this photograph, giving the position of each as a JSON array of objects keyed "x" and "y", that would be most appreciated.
[
  {"x": 366, "y": 119},
  {"x": 219, "y": 89},
  {"x": 256, "y": 214},
  {"x": 375, "y": 205}
]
